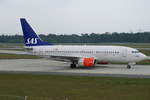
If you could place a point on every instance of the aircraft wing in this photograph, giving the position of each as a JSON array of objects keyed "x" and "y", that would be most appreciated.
[
  {"x": 65, "y": 58},
  {"x": 14, "y": 52},
  {"x": 58, "y": 58},
  {"x": 69, "y": 57}
]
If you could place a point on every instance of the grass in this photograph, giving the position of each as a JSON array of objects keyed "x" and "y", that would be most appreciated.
[
  {"x": 74, "y": 87},
  {"x": 146, "y": 52}
]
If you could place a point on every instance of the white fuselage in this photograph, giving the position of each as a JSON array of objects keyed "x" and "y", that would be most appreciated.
[
  {"x": 100, "y": 53},
  {"x": 86, "y": 56}
]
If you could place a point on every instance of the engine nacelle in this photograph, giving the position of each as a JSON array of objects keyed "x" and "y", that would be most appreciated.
[{"x": 86, "y": 62}]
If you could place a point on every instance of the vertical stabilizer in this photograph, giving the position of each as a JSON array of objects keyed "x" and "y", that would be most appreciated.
[{"x": 30, "y": 37}]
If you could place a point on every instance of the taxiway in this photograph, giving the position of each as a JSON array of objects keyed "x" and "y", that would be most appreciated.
[{"x": 46, "y": 66}]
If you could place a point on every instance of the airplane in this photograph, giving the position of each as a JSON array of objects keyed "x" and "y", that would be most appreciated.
[{"x": 79, "y": 55}]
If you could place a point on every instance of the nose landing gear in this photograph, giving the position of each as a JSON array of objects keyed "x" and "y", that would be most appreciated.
[{"x": 128, "y": 66}]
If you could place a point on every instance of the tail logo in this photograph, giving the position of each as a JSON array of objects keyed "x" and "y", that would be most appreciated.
[
  {"x": 30, "y": 37},
  {"x": 32, "y": 41}
]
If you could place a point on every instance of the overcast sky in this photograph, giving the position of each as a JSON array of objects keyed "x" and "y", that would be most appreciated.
[{"x": 75, "y": 16}]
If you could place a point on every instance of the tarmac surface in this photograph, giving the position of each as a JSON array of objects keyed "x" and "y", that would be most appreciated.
[{"x": 46, "y": 66}]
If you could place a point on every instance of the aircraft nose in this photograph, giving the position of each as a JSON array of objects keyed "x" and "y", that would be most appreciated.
[
  {"x": 148, "y": 57},
  {"x": 143, "y": 56}
]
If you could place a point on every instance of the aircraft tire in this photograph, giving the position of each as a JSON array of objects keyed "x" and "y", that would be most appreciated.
[
  {"x": 73, "y": 66},
  {"x": 128, "y": 66}
]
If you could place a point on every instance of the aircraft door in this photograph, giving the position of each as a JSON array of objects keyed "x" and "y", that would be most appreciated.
[{"x": 124, "y": 52}]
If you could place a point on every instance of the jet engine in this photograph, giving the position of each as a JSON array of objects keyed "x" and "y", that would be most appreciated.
[{"x": 86, "y": 62}]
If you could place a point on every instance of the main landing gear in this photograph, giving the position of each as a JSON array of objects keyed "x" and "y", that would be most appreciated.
[{"x": 73, "y": 65}]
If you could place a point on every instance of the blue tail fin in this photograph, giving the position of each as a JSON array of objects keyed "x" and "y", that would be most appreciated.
[{"x": 30, "y": 37}]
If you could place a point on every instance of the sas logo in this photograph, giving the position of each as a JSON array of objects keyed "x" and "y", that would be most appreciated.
[{"x": 32, "y": 41}]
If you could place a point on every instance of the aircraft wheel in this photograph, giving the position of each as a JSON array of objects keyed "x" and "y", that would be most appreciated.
[
  {"x": 128, "y": 66},
  {"x": 73, "y": 66}
]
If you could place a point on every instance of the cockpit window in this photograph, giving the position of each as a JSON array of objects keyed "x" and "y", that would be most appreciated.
[{"x": 135, "y": 51}]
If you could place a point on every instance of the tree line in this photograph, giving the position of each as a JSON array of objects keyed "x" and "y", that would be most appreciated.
[{"x": 140, "y": 37}]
